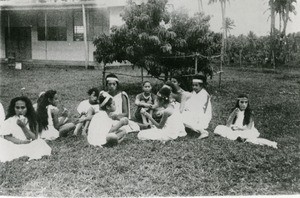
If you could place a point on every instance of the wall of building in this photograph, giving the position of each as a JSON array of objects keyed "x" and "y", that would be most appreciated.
[
  {"x": 53, "y": 50},
  {"x": 2, "y": 32}
]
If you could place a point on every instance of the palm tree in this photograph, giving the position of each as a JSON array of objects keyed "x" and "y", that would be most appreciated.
[
  {"x": 229, "y": 24},
  {"x": 223, "y": 10}
]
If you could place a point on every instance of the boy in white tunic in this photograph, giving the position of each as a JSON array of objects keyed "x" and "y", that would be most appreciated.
[{"x": 197, "y": 110}]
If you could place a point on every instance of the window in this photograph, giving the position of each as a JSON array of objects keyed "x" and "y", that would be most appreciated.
[
  {"x": 56, "y": 26},
  {"x": 78, "y": 30},
  {"x": 98, "y": 23}
]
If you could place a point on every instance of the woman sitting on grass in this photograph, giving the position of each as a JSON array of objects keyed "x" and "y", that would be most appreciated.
[
  {"x": 103, "y": 131},
  {"x": 50, "y": 126},
  {"x": 18, "y": 134},
  {"x": 122, "y": 104},
  {"x": 240, "y": 124},
  {"x": 170, "y": 126}
]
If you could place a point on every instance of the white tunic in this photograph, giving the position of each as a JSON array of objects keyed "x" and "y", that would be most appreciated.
[
  {"x": 119, "y": 103},
  {"x": 198, "y": 112}
]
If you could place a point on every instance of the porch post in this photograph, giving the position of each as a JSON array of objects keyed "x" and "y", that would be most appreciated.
[
  {"x": 46, "y": 36},
  {"x": 85, "y": 37},
  {"x": 8, "y": 34}
]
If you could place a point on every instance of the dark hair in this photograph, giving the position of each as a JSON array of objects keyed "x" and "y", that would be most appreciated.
[
  {"x": 111, "y": 75},
  {"x": 42, "y": 109},
  {"x": 41, "y": 95},
  {"x": 101, "y": 99},
  {"x": 31, "y": 115},
  {"x": 248, "y": 110},
  {"x": 94, "y": 89},
  {"x": 164, "y": 94},
  {"x": 203, "y": 78},
  {"x": 147, "y": 81},
  {"x": 173, "y": 87}
]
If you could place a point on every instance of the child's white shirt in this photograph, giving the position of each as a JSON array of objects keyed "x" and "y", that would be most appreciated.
[{"x": 84, "y": 106}]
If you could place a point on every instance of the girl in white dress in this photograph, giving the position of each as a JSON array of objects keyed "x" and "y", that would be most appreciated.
[
  {"x": 240, "y": 124},
  {"x": 170, "y": 127},
  {"x": 18, "y": 135},
  {"x": 50, "y": 126},
  {"x": 102, "y": 129}
]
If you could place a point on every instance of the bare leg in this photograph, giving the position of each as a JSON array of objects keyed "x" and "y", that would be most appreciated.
[
  {"x": 64, "y": 129},
  {"x": 78, "y": 128}
]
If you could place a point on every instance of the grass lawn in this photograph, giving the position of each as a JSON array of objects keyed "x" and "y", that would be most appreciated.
[{"x": 184, "y": 167}]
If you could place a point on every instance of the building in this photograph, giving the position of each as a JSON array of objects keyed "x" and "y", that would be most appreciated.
[{"x": 55, "y": 31}]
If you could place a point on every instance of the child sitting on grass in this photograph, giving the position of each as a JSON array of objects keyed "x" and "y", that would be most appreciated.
[
  {"x": 103, "y": 131},
  {"x": 240, "y": 125},
  {"x": 50, "y": 126},
  {"x": 197, "y": 111},
  {"x": 83, "y": 109},
  {"x": 145, "y": 100},
  {"x": 170, "y": 126},
  {"x": 18, "y": 134}
]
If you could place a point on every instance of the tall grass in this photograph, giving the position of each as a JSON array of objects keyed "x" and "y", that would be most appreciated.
[{"x": 184, "y": 167}]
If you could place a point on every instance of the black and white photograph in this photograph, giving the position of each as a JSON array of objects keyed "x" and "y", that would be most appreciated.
[{"x": 149, "y": 98}]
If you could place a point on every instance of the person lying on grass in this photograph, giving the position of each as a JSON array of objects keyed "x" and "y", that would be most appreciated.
[
  {"x": 87, "y": 109},
  {"x": 197, "y": 111},
  {"x": 240, "y": 124},
  {"x": 170, "y": 126},
  {"x": 103, "y": 131},
  {"x": 18, "y": 134},
  {"x": 50, "y": 126}
]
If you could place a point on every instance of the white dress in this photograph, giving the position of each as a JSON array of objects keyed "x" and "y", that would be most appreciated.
[
  {"x": 197, "y": 112},
  {"x": 99, "y": 127},
  {"x": 251, "y": 135},
  {"x": 51, "y": 133},
  {"x": 9, "y": 151},
  {"x": 173, "y": 129}
]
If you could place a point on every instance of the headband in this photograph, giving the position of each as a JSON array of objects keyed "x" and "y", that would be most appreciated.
[
  {"x": 107, "y": 97},
  {"x": 243, "y": 98},
  {"x": 42, "y": 93},
  {"x": 197, "y": 81},
  {"x": 167, "y": 86},
  {"x": 112, "y": 78}
]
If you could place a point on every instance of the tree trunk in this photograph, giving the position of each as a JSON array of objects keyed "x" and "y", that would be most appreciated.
[
  {"x": 223, "y": 7},
  {"x": 271, "y": 2},
  {"x": 286, "y": 18}
]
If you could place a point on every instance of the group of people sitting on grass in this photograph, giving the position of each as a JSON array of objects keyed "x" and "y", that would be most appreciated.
[{"x": 104, "y": 118}]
